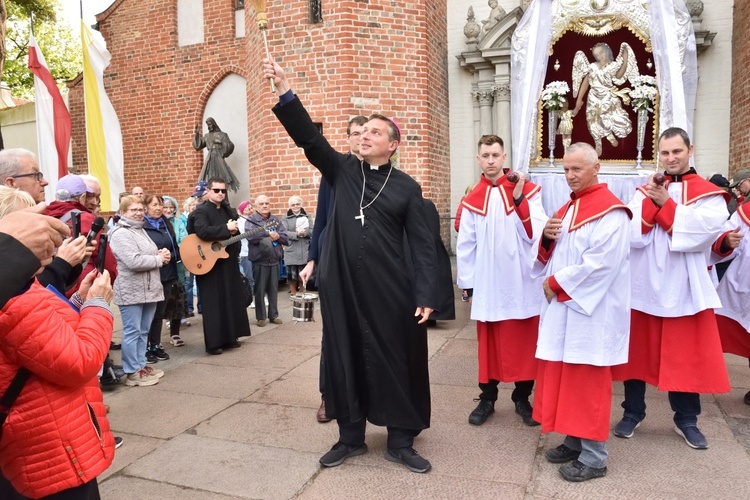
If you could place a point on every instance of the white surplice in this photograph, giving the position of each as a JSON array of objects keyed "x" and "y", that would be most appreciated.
[
  {"x": 734, "y": 288},
  {"x": 670, "y": 275},
  {"x": 591, "y": 265},
  {"x": 492, "y": 257}
]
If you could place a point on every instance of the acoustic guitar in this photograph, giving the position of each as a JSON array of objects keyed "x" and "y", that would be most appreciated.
[{"x": 200, "y": 256}]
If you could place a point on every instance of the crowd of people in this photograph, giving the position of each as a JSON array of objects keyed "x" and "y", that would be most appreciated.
[{"x": 603, "y": 291}]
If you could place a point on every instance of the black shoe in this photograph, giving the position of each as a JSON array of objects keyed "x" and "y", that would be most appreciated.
[
  {"x": 410, "y": 458},
  {"x": 484, "y": 409},
  {"x": 524, "y": 409},
  {"x": 561, "y": 454},
  {"x": 341, "y": 452},
  {"x": 119, "y": 372},
  {"x": 191, "y": 314},
  {"x": 577, "y": 472},
  {"x": 151, "y": 357},
  {"x": 160, "y": 353},
  {"x": 234, "y": 345},
  {"x": 626, "y": 427},
  {"x": 218, "y": 350},
  {"x": 108, "y": 383},
  {"x": 747, "y": 398},
  {"x": 118, "y": 442},
  {"x": 114, "y": 346}
]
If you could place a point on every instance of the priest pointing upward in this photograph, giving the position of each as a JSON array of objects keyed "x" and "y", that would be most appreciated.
[{"x": 373, "y": 309}]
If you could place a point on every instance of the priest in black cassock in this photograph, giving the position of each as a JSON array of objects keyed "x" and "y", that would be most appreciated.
[
  {"x": 224, "y": 313},
  {"x": 373, "y": 309}
]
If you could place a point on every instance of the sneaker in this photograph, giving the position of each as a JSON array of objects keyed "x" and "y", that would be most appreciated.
[
  {"x": 141, "y": 378},
  {"x": 481, "y": 413},
  {"x": 341, "y": 452},
  {"x": 523, "y": 408},
  {"x": 118, "y": 442},
  {"x": 561, "y": 454},
  {"x": 626, "y": 427},
  {"x": 261, "y": 322},
  {"x": 693, "y": 437},
  {"x": 160, "y": 353},
  {"x": 114, "y": 346},
  {"x": 184, "y": 323},
  {"x": 119, "y": 372},
  {"x": 577, "y": 472},
  {"x": 154, "y": 371},
  {"x": 151, "y": 357},
  {"x": 410, "y": 458},
  {"x": 177, "y": 341},
  {"x": 108, "y": 383},
  {"x": 277, "y": 321}
]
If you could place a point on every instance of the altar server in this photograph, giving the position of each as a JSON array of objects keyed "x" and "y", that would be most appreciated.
[
  {"x": 499, "y": 222},
  {"x": 584, "y": 329},
  {"x": 674, "y": 342}
]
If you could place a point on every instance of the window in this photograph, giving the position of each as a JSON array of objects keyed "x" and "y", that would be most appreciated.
[{"x": 316, "y": 11}]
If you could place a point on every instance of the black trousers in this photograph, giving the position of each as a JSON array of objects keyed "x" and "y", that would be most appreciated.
[
  {"x": 266, "y": 282},
  {"x": 87, "y": 491},
  {"x": 522, "y": 392},
  {"x": 353, "y": 434}
]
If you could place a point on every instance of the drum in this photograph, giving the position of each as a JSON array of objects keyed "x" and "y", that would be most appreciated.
[{"x": 303, "y": 306}]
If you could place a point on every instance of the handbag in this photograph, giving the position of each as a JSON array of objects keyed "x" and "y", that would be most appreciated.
[{"x": 247, "y": 291}]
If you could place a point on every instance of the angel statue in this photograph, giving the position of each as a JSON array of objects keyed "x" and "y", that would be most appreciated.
[
  {"x": 219, "y": 147},
  {"x": 604, "y": 113}
]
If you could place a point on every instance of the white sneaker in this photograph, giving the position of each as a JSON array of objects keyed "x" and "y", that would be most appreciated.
[
  {"x": 141, "y": 378},
  {"x": 154, "y": 371}
]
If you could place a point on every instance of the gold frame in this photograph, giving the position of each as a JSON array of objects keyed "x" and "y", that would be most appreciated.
[{"x": 594, "y": 26}]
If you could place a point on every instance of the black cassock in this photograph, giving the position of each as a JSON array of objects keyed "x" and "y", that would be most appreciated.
[
  {"x": 446, "y": 309},
  {"x": 224, "y": 314},
  {"x": 375, "y": 352}
]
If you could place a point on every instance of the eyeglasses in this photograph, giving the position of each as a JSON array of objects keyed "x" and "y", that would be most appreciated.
[
  {"x": 136, "y": 210},
  {"x": 37, "y": 175},
  {"x": 217, "y": 191}
]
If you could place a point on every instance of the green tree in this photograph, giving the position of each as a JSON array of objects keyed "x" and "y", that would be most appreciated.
[{"x": 56, "y": 41}]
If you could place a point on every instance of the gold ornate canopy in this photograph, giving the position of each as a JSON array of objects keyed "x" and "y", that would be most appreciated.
[{"x": 600, "y": 17}]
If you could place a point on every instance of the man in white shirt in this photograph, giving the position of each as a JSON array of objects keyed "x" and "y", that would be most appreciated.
[
  {"x": 499, "y": 222},
  {"x": 674, "y": 341},
  {"x": 584, "y": 330}
]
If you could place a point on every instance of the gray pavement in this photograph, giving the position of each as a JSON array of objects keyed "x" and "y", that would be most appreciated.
[{"x": 242, "y": 425}]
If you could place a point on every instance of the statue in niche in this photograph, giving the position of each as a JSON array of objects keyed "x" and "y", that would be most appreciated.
[
  {"x": 605, "y": 115},
  {"x": 219, "y": 147},
  {"x": 496, "y": 14},
  {"x": 565, "y": 129}
]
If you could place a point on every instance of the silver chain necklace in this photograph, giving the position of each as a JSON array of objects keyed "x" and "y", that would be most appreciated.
[{"x": 361, "y": 215}]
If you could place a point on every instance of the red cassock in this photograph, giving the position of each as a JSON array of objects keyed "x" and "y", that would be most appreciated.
[
  {"x": 506, "y": 349},
  {"x": 734, "y": 338}
]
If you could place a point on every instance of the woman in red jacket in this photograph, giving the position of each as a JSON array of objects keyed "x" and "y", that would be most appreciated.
[{"x": 56, "y": 439}]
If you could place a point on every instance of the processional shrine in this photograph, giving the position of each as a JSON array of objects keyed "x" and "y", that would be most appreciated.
[{"x": 613, "y": 73}]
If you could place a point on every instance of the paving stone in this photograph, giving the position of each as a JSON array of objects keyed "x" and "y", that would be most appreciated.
[
  {"x": 133, "y": 448},
  {"x": 125, "y": 486},
  {"x": 227, "y": 467},
  {"x": 230, "y": 382}
]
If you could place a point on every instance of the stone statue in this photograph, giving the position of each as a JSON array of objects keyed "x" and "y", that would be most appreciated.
[
  {"x": 496, "y": 14},
  {"x": 604, "y": 113},
  {"x": 219, "y": 147}
]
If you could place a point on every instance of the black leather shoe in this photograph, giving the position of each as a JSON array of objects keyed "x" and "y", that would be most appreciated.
[
  {"x": 218, "y": 350},
  {"x": 114, "y": 346},
  {"x": 341, "y": 452},
  {"x": 577, "y": 472},
  {"x": 481, "y": 413},
  {"x": 410, "y": 458},
  {"x": 561, "y": 454},
  {"x": 234, "y": 345},
  {"x": 523, "y": 408}
]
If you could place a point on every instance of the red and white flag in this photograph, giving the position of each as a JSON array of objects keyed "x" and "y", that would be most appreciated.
[{"x": 53, "y": 124}]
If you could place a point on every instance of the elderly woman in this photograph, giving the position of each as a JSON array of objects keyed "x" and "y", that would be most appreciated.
[
  {"x": 56, "y": 439},
  {"x": 299, "y": 229},
  {"x": 137, "y": 289},
  {"x": 170, "y": 308}
]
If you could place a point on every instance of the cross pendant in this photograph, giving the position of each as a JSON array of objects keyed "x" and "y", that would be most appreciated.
[{"x": 361, "y": 217}]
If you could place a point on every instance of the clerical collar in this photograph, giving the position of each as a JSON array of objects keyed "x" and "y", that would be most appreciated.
[
  {"x": 380, "y": 167},
  {"x": 678, "y": 177}
]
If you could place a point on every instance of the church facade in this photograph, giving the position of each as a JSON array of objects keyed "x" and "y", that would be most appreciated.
[{"x": 176, "y": 63}]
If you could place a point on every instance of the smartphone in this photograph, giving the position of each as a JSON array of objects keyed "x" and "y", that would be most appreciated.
[
  {"x": 102, "y": 253},
  {"x": 75, "y": 220}
]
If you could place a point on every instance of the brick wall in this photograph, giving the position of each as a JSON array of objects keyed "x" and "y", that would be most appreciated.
[
  {"x": 367, "y": 56},
  {"x": 739, "y": 140}
]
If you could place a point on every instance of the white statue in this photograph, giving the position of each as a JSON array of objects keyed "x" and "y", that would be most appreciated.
[{"x": 605, "y": 115}]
